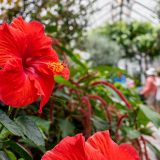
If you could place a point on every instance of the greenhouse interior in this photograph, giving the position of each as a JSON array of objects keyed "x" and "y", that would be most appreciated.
[{"x": 79, "y": 79}]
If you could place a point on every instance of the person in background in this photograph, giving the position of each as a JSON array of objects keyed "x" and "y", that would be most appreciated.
[
  {"x": 150, "y": 88},
  {"x": 157, "y": 83}
]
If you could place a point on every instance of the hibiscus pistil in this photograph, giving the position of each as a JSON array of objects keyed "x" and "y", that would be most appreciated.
[{"x": 56, "y": 66}]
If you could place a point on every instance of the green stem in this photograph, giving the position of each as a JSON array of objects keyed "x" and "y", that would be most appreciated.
[
  {"x": 10, "y": 109},
  {"x": 16, "y": 112}
]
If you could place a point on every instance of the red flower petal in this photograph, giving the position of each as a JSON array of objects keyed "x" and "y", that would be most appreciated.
[
  {"x": 44, "y": 77},
  {"x": 102, "y": 142},
  {"x": 38, "y": 43},
  {"x": 126, "y": 151},
  {"x": 98, "y": 147},
  {"x": 65, "y": 73},
  {"x": 92, "y": 153},
  {"x": 70, "y": 148},
  {"x": 19, "y": 23},
  {"x": 23, "y": 26},
  {"x": 111, "y": 151},
  {"x": 16, "y": 89},
  {"x": 26, "y": 85},
  {"x": 12, "y": 42}
]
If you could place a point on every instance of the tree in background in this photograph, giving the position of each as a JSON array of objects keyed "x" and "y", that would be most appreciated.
[
  {"x": 103, "y": 50},
  {"x": 140, "y": 40},
  {"x": 64, "y": 19}
]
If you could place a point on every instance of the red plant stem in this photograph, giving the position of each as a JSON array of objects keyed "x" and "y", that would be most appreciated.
[
  {"x": 75, "y": 83},
  {"x": 60, "y": 86},
  {"x": 145, "y": 148},
  {"x": 92, "y": 96},
  {"x": 140, "y": 149},
  {"x": 77, "y": 92},
  {"x": 121, "y": 119},
  {"x": 119, "y": 123},
  {"x": 85, "y": 77},
  {"x": 51, "y": 111},
  {"x": 65, "y": 59},
  {"x": 87, "y": 116},
  {"x": 104, "y": 104},
  {"x": 83, "y": 111},
  {"x": 115, "y": 89}
]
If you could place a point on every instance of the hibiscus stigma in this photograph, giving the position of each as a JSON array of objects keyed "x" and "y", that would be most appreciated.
[{"x": 56, "y": 66}]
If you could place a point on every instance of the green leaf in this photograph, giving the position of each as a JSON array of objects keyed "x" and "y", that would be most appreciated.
[
  {"x": 111, "y": 69},
  {"x": 146, "y": 131},
  {"x": 142, "y": 119},
  {"x": 61, "y": 80},
  {"x": 62, "y": 95},
  {"x": 11, "y": 155},
  {"x": 30, "y": 130},
  {"x": 20, "y": 150},
  {"x": 131, "y": 133},
  {"x": 66, "y": 127},
  {"x": 73, "y": 57},
  {"x": 4, "y": 133},
  {"x": 41, "y": 123},
  {"x": 51, "y": 28},
  {"x": 3, "y": 156},
  {"x": 153, "y": 116},
  {"x": 9, "y": 124},
  {"x": 30, "y": 144},
  {"x": 99, "y": 123}
]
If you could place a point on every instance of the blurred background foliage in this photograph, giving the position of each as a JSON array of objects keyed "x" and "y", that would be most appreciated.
[
  {"x": 137, "y": 38},
  {"x": 103, "y": 50},
  {"x": 91, "y": 100},
  {"x": 64, "y": 19}
]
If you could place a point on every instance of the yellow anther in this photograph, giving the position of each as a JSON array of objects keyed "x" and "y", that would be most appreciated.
[{"x": 56, "y": 66}]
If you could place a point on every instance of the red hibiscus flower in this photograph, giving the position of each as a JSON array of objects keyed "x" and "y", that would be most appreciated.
[
  {"x": 27, "y": 64},
  {"x": 98, "y": 147}
]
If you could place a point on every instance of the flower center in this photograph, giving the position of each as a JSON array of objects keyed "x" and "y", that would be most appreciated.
[{"x": 56, "y": 66}]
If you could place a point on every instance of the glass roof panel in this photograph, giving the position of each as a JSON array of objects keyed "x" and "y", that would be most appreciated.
[{"x": 128, "y": 10}]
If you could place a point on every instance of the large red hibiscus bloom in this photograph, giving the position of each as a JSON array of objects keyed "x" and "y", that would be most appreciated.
[
  {"x": 98, "y": 147},
  {"x": 27, "y": 64}
]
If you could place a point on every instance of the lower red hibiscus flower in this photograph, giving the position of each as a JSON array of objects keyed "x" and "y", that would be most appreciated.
[
  {"x": 27, "y": 64},
  {"x": 98, "y": 147}
]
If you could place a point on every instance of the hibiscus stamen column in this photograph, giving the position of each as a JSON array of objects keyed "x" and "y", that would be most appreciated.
[{"x": 56, "y": 66}]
